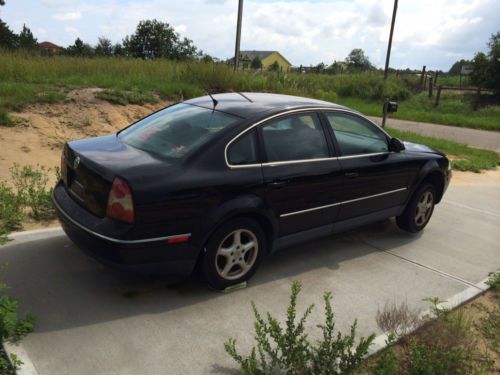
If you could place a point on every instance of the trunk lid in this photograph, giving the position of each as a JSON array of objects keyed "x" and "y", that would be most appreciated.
[{"x": 90, "y": 165}]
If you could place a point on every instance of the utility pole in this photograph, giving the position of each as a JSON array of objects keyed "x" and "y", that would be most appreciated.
[
  {"x": 238, "y": 35},
  {"x": 388, "y": 57}
]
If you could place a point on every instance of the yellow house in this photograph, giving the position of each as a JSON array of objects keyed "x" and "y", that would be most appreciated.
[{"x": 267, "y": 57}]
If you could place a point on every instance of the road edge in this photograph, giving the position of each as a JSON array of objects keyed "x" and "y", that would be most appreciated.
[{"x": 380, "y": 342}]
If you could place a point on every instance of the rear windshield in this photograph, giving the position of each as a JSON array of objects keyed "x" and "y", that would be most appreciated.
[{"x": 176, "y": 130}]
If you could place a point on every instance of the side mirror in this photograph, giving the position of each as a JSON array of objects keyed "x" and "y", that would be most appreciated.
[
  {"x": 396, "y": 145},
  {"x": 391, "y": 107}
]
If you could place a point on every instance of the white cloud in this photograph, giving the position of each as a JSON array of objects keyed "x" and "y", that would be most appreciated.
[
  {"x": 72, "y": 31},
  {"x": 70, "y": 16}
]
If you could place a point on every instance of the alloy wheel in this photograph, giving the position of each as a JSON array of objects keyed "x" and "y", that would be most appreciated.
[
  {"x": 236, "y": 254},
  {"x": 424, "y": 207}
]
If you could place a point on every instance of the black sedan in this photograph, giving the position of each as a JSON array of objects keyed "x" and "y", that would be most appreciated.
[{"x": 219, "y": 182}]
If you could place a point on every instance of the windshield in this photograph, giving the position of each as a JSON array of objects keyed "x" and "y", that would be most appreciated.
[{"x": 176, "y": 130}]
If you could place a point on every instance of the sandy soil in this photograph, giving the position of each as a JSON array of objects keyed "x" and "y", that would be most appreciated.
[{"x": 41, "y": 130}]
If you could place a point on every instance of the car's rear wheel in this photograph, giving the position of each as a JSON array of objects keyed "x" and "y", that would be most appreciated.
[
  {"x": 419, "y": 209},
  {"x": 233, "y": 253}
]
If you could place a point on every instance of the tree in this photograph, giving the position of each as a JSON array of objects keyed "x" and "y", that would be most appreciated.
[
  {"x": 486, "y": 68},
  {"x": 118, "y": 50},
  {"x": 274, "y": 67},
  {"x": 8, "y": 39},
  {"x": 26, "y": 39},
  {"x": 80, "y": 49},
  {"x": 358, "y": 59},
  {"x": 155, "y": 39},
  {"x": 456, "y": 68},
  {"x": 104, "y": 47},
  {"x": 256, "y": 63}
]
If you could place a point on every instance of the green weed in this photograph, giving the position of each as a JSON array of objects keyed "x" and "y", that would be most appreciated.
[
  {"x": 31, "y": 188},
  {"x": 287, "y": 350},
  {"x": 12, "y": 328}
]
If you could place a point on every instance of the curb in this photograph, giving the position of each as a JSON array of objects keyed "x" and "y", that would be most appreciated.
[
  {"x": 34, "y": 232},
  {"x": 453, "y": 302},
  {"x": 17, "y": 349}
]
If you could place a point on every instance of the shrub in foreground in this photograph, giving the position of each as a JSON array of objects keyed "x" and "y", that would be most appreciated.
[{"x": 287, "y": 350}]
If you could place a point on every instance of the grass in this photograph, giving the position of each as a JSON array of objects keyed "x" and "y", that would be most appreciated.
[
  {"x": 464, "y": 158},
  {"x": 454, "y": 109},
  {"x": 124, "y": 97},
  {"x": 27, "y": 79}
]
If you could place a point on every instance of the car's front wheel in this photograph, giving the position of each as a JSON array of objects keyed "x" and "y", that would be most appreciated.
[
  {"x": 419, "y": 209},
  {"x": 233, "y": 253}
]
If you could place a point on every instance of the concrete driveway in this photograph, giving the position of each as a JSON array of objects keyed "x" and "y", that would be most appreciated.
[{"x": 92, "y": 320}]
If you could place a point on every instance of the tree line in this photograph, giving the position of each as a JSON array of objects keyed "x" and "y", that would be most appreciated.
[{"x": 152, "y": 39}]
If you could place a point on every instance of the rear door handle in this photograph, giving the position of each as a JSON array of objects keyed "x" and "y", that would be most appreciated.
[{"x": 351, "y": 174}]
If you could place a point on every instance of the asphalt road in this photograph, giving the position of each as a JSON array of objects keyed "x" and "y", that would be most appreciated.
[
  {"x": 91, "y": 320},
  {"x": 487, "y": 139}
]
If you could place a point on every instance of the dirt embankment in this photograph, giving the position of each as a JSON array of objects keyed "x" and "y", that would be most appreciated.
[{"x": 42, "y": 129}]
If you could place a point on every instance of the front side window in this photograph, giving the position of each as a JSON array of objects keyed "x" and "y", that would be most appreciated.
[
  {"x": 243, "y": 150},
  {"x": 356, "y": 136},
  {"x": 176, "y": 130},
  {"x": 297, "y": 137}
]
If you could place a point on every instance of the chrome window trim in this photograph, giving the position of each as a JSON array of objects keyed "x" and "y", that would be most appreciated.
[
  {"x": 344, "y": 202},
  {"x": 314, "y": 109},
  {"x": 115, "y": 240}
]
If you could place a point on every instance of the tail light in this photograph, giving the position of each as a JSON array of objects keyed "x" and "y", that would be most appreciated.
[{"x": 120, "y": 202}]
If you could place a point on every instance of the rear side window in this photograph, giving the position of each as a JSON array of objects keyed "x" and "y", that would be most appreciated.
[
  {"x": 243, "y": 150},
  {"x": 356, "y": 136},
  {"x": 176, "y": 130},
  {"x": 297, "y": 137}
]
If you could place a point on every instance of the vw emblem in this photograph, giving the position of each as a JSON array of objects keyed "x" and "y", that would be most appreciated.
[{"x": 76, "y": 162}]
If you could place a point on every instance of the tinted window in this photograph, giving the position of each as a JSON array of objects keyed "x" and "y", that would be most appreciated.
[
  {"x": 176, "y": 130},
  {"x": 297, "y": 137},
  {"x": 356, "y": 136},
  {"x": 243, "y": 150}
]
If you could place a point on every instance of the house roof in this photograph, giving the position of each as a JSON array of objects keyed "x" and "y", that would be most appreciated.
[
  {"x": 250, "y": 55},
  {"x": 48, "y": 45}
]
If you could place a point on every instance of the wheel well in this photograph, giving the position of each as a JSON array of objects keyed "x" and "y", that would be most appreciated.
[{"x": 437, "y": 179}]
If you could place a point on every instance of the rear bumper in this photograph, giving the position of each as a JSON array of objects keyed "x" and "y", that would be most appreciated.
[{"x": 154, "y": 255}]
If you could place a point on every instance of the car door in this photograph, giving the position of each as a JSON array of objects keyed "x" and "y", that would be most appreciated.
[
  {"x": 374, "y": 178},
  {"x": 301, "y": 175}
]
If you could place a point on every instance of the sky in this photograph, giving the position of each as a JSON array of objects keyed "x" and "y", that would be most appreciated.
[{"x": 435, "y": 33}]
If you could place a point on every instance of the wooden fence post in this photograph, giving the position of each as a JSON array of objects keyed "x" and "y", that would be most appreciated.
[
  {"x": 430, "y": 87},
  {"x": 422, "y": 78},
  {"x": 478, "y": 96},
  {"x": 438, "y": 95}
]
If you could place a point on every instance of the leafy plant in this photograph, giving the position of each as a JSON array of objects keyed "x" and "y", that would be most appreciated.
[
  {"x": 11, "y": 215},
  {"x": 494, "y": 281},
  {"x": 30, "y": 184},
  {"x": 287, "y": 350},
  {"x": 12, "y": 328}
]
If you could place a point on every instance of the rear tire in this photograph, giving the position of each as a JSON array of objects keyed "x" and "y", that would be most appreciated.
[
  {"x": 233, "y": 253},
  {"x": 418, "y": 210}
]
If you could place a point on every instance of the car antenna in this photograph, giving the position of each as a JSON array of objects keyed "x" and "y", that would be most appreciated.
[
  {"x": 213, "y": 100},
  {"x": 246, "y": 97}
]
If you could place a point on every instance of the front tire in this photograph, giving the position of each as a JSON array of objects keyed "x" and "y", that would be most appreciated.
[
  {"x": 233, "y": 253},
  {"x": 419, "y": 209}
]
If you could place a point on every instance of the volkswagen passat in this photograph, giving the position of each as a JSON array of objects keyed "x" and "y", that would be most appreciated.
[{"x": 220, "y": 182}]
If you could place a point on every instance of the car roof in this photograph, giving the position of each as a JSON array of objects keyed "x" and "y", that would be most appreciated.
[{"x": 248, "y": 104}]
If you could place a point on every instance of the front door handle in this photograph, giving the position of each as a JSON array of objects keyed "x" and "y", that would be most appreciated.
[
  {"x": 277, "y": 184},
  {"x": 351, "y": 174}
]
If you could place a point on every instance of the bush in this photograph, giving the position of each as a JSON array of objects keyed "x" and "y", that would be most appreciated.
[
  {"x": 11, "y": 215},
  {"x": 288, "y": 351},
  {"x": 30, "y": 184},
  {"x": 12, "y": 328}
]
